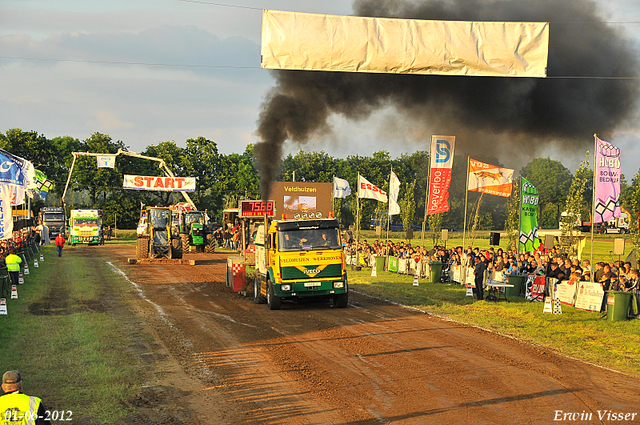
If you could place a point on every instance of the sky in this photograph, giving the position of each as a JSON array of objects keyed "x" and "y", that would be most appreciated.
[{"x": 148, "y": 71}]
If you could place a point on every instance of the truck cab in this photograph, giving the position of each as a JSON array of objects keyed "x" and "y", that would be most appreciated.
[{"x": 299, "y": 259}]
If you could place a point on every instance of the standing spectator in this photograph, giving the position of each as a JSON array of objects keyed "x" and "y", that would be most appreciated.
[
  {"x": 59, "y": 243},
  {"x": 13, "y": 266},
  {"x": 20, "y": 404},
  {"x": 481, "y": 267},
  {"x": 44, "y": 235}
]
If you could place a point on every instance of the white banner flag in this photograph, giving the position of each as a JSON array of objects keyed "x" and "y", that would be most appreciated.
[
  {"x": 394, "y": 191},
  {"x": 368, "y": 190},
  {"x": 17, "y": 195},
  {"x": 106, "y": 161},
  {"x": 341, "y": 188},
  {"x": 6, "y": 219}
]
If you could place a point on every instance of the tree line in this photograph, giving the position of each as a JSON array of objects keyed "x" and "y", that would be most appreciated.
[{"x": 221, "y": 180}]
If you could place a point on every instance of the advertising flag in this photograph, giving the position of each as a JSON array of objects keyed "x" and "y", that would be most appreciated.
[
  {"x": 528, "y": 238},
  {"x": 607, "y": 185},
  {"x": 42, "y": 184},
  {"x": 490, "y": 179},
  {"x": 442, "y": 148},
  {"x": 341, "y": 188},
  {"x": 368, "y": 190},
  {"x": 15, "y": 170},
  {"x": 106, "y": 161},
  {"x": 394, "y": 191},
  {"x": 6, "y": 219}
]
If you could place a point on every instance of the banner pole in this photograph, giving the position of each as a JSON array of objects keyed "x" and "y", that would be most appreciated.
[
  {"x": 593, "y": 201},
  {"x": 520, "y": 219},
  {"x": 389, "y": 206},
  {"x": 426, "y": 197},
  {"x": 466, "y": 197},
  {"x": 358, "y": 221}
]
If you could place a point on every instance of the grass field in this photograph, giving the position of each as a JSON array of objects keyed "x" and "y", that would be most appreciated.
[{"x": 70, "y": 333}]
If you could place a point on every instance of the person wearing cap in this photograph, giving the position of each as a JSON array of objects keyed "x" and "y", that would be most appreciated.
[
  {"x": 13, "y": 266},
  {"x": 19, "y": 408}
]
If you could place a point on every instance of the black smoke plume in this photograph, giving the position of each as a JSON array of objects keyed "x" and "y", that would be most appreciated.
[{"x": 489, "y": 114}]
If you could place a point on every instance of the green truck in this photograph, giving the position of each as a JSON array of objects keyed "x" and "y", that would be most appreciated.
[{"x": 85, "y": 226}]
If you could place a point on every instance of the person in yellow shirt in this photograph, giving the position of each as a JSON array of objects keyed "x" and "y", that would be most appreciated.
[
  {"x": 17, "y": 407},
  {"x": 13, "y": 266}
]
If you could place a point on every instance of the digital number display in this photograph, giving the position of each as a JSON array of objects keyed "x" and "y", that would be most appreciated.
[{"x": 257, "y": 208}]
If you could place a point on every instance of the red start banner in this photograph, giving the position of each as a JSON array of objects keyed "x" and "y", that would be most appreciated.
[{"x": 165, "y": 184}]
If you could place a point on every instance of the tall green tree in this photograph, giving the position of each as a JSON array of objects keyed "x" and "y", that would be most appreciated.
[{"x": 552, "y": 179}]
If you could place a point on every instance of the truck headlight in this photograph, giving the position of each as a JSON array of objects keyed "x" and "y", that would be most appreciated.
[
  {"x": 338, "y": 285},
  {"x": 285, "y": 287}
]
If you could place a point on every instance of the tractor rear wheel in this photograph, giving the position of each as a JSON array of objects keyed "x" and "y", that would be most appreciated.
[
  {"x": 184, "y": 237},
  {"x": 176, "y": 248},
  {"x": 142, "y": 248},
  {"x": 210, "y": 244}
]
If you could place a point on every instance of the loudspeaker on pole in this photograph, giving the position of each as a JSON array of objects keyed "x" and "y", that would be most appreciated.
[
  {"x": 618, "y": 246},
  {"x": 494, "y": 238},
  {"x": 445, "y": 234},
  {"x": 549, "y": 241}
]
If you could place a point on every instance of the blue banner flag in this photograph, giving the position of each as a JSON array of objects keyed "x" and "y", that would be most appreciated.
[{"x": 14, "y": 170}]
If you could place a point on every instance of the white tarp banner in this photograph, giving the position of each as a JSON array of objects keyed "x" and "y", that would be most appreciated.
[
  {"x": 165, "y": 184},
  {"x": 315, "y": 42}
]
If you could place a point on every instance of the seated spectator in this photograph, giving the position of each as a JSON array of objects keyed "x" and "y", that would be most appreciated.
[{"x": 556, "y": 272}]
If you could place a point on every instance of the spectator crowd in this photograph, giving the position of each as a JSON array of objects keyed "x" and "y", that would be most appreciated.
[{"x": 616, "y": 275}]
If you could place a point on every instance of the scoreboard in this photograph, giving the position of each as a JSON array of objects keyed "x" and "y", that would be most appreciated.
[{"x": 256, "y": 209}]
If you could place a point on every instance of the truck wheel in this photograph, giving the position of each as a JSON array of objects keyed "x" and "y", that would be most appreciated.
[
  {"x": 257, "y": 297},
  {"x": 142, "y": 248},
  {"x": 185, "y": 242},
  {"x": 273, "y": 301},
  {"x": 176, "y": 248},
  {"x": 340, "y": 300}
]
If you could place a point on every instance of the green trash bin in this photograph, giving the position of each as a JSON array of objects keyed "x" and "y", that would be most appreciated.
[
  {"x": 516, "y": 281},
  {"x": 435, "y": 271},
  {"x": 617, "y": 305},
  {"x": 380, "y": 264}
]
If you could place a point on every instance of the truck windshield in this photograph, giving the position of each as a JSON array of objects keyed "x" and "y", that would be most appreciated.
[
  {"x": 86, "y": 221},
  {"x": 159, "y": 218},
  {"x": 53, "y": 217},
  {"x": 308, "y": 239}
]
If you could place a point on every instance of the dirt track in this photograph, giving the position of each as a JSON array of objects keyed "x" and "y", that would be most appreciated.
[{"x": 220, "y": 359}]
